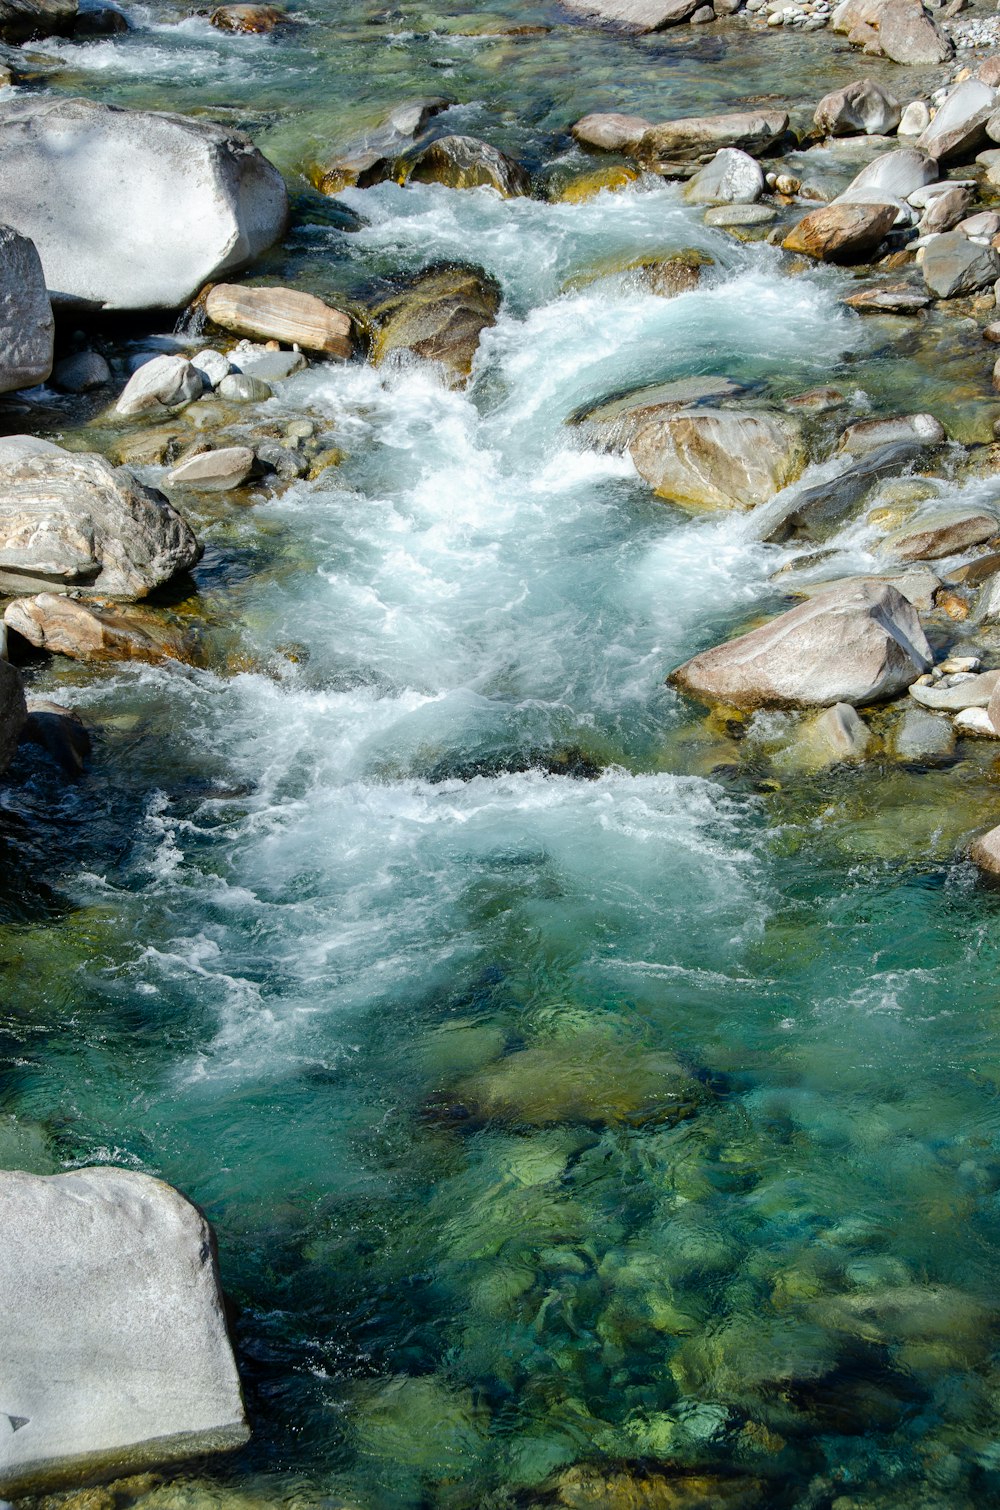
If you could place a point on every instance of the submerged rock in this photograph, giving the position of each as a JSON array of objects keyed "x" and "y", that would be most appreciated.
[
  {"x": 719, "y": 458},
  {"x": 863, "y": 106},
  {"x": 860, "y": 644},
  {"x": 63, "y": 735},
  {"x": 610, "y": 132},
  {"x": 370, "y": 158},
  {"x": 656, "y": 1487},
  {"x": 440, "y": 316},
  {"x": 73, "y": 520},
  {"x": 870, "y": 435},
  {"x": 703, "y": 135},
  {"x": 923, "y": 735},
  {"x": 84, "y": 372},
  {"x": 840, "y": 232},
  {"x": 614, "y": 423},
  {"x": 113, "y": 1272},
  {"x": 281, "y": 314},
  {"x": 95, "y": 631},
  {"x": 464, "y": 162},
  {"x": 13, "y": 716},
  {"x": 26, "y": 324},
  {"x": 835, "y": 736},
  {"x": 69, "y": 169},
  {"x": 214, "y": 471},
  {"x": 817, "y": 510}
]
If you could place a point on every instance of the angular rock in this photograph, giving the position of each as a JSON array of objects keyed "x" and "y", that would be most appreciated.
[
  {"x": 888, "y": 301},
  {"x": 116, "y": 1354},
  {"x": 944, "y": 534},
  {"x": 918, "y": 586},
  {"x": 161, "y": 386},
  {"x": 719, "y": 458},
  {"x": 907, "y": 34},
  {"x": 863, "y": 106},
  {"x": 259, "y": 20},
  {"x": 259, "y": 362},
  {"x": 703, "y": 135},
  {"x": 13, "y": 716},
  {"x": 945, "y": 211},
  {"x": 732, "y": 177},
  {"x": 959, "y": 128},
  {"x": 872, "y": 434},
  {"x": 440, "y": 316},
  {"x": 370, "y": 158},
  {"x": 843, "y": 233},
  {"x": 922, "y": 735},
  {"x": 610, "y": 132},
  {"x": 952, "y": 694},
  {"x": 69, "y": 169},
  {"x": 955, "y": 265},
  {"x": 860, "y": 644},
  {"x": 281, "y": 314},
  {"x": 636, "y": 16},
  {"x": 985, "y": 852},
  {"x": 25, "y": 20},
  {"x": 26, "y": 324},
  {"x": 212, "y": 365},
  {"x": 613, "y": 424},
  {"x": 985, "y": 223},
  {"x": 94, "y": 631},
  {"x": 464, "y": 162},
  {"x": 73, "y": 520},
  {"x": 987, "y": 607},
  {"x": 214, "y": 471},
  {"x": 60, "y": 732},
  {"x": 818, "y": 510},
  {"x": 83, "y": 372}
]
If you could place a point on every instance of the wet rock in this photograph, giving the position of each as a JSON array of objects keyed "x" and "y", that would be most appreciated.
[
  {"x": 614, "y": 423},
  {"x": 655, "y": 1487},
  {"x": 719, "y": 458},
  {"x": 13, "y": 716},
  {"x": 94, "y": 631},
  {"x": 860, "y": 644},
  {"x": 921, "y": 735},
  {"x": 370, "y": 158},
  {"x": 440, "y": 317},
  {"x": 873, "y": 434},
  {"x": 26, "y": 323},
  {"x": 907, "y": 34},
  {"x": 611, "y": 132},
  {"x": 898, "y": 300},
  {"x": 636, "y": 16},
  {"x": 148, "y": 448},
  {"x": 833, "y": 737},
  {"x": 259, "y": 362},
  {"x": 955, "y": 265},
  {"x": 74, "y": 520},
  {"x": 943, "y": 534},
  {"x": 863, "y": 106},
  {"x": 730, "y": 216},
  {"x": 959, "y": 128},
  {"x": 586, "y": 186},
  {"x": 819, "y": 509},
  {"x": 214, "y": 471},
  {"x": 704, "y": 135},
  {"x": 844, "y": 233},
  {"x": 99, "y": 20},
  {"x": 61, "y": 733},
  {"x": 254, "y": 19},
  {"x": 70, "y": 168},
  {"x": 918, "y": 586},
  {"x": 952, "y": 694},
  {"x": 672, "y": 276},
  {"x": 240, "y": 388},
  {"x": 281, "y": 314},
  {"x": 464, "y": 162},
  {"x": 26, "y": 20},
  {"x": 732, "y": 177},
  {"x": 83, "y": 372},
  {"x": 111, "y": 1269},
  {"x": 984, "y": 852},
  {"x": 162, "y": 386}
]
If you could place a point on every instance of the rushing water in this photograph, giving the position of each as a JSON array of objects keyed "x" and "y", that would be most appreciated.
[{"x": 385, "y": 948}]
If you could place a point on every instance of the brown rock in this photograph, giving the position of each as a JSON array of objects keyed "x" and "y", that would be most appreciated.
[
  {"x": 985, "y": 852},
  {"x": 465, "y": 162},
  {"x": 95, "y": 630},
  {"x": 989, "y": 71},
  {"x": 439, "y": 316},
  {"x": 900, "y": 299},
  {"x": 844, "y": 233},
  {"x": 610, "y": 133},
  {"x": 945, "y": 536},
  {"x": 258, "y": 19},
  {"x": 281, "y": 314},
  {"x": 719, "y": 458},
  {"x": 371, "y": 157},
  {"x": 704, "y": 135},
  {"x": 586, "y": 1487}
]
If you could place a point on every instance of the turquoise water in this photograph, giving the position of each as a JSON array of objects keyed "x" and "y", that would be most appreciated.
[{"x": 567, "y": 1082}]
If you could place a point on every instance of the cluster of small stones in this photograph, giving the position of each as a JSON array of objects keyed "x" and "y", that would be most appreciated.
[{"x": 809, "y": 15}]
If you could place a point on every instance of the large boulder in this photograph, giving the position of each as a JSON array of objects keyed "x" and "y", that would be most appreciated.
[
  {"x": 130, "y": 209},
  {"x": 719, "y": 458},
  {"x": 907, "y": 34},
  {"x": 702, "y": 135},
  {"x": 893, "y": 176},
  {"x": 955, "y": 265},
  {"x": 858, "y": 643},
  {"x": 439, "y": 316},
  {"x": 116, "y": 1354},
  {"x": 464, "y": 162},
  {"x": 636, "y": 16},
  {"x": 844, "y": 233},
  {"x": 26, "y": 323},
  {"x": 370, "y": 157},
  {"x": 959, "y": 128},
  {"x": 281, "y": 314},
  {"x": 24, "y": 20},
  {"x": 863, "y": 106},
  {"x": 96, "y": 631},
  {"x": 611, "y": 132},
  {"x": 72, "y": 520},
  {"x": 946, "y": 533},
  {"x": 732, "y": 177},
  {"x": 13, "y": 717}
]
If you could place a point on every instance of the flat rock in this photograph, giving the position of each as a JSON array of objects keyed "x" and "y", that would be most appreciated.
[
  {"x": 439, "y": 316},
  {"x": 952, "y": 694},
  {"x": 921, "y": 735},
  {"x": 94, "y": 631},
  {"x": 888, "y": 301},
  {"x": 464, "y": 162},
  {"x": 214, "y": 471},
  {"x": 188, "y": 200},
  {"x": 858, "y": 644},
  {"x": 636, "y": 16},
  {"x": 918, "y": 585},
  {"x": 959, "y": 128},
  {"x": 370, "y": 157},
  {"x": 729, "y": 216},
  {"x": 703, "y": 135},
  {"x": 719, "y": 458},
  {"x": 954, "y": 265},
  {"x": 114, "y": 1273},
  {"x": 26, "y": 323},
  {"x": 281, "y": 314},
  {"x": 843, "y": 233},
  {"x": 73, "y": 520},
  {"x": 610, "y": 132},
  {"x": 945, "y": 534},
  {"x": 615, "y": 421},
  {"x": 872, "y": 434},
  {"x": 732, "y": 177}
]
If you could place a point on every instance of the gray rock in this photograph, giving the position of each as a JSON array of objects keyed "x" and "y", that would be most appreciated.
[
  {"x": 893, "y": 176},
  {"x": 953, "y": 693},
  {"x": 212, "y": 365},
  {"x": 703, "y": 135},
  {"x": 13, "y": 447},
  {"x": 987, "y": 606},
  {"x": 917, "y": 586},
  {"x": 959, "y": 127},
  {"x": 83, "y": 372},
  {"x": 888, "y": 301},
  {"x": 829, "y": 738},
  {"x": 915, "y": 118},
  {"x": 954, "y": 265},
  {"x": 860, "y": 644},
  {"x": 817, "y": 511},
  {"x": 945, "y": 211},
  {"x": 946, "y": 533},
  {"x": 116, "y": 1356},
  {"x": 26, "y": 323},
  {"x": 907, "y": 34},
  {"x": 271, "y": 366},
  {"x": 60, "y": 732},
  {"x": 872, "y": 434},
  {"x": 73, "y": 520},
  {"x": 985, "y": 223},
  {"x": 636, "y": 16},
  {"x": 719, "y": 458},
  {"x": 615, "y": 421},
  {"x": 610, "y": 132},
  {"x": 161, "y": 386},
  {"x": 863, "y": 106},
  {"x": 370, "y": 157},
  {"x": 71, "y": 168},
  {"x": 25, "y": 20},
  {"x": 214, "y": 471},
  {"x": 13, "y": 716},
  {"x": 239, "y": 389},
  {"x": 464, "y": 162},
  {"x": 729, "y": 216},
  {"x": 732, "y": 177},
  {"x": 921, "y": 735}
]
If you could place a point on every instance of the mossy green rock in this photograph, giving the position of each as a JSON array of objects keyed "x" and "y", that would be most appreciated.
[{"x": 440, "y": 316}]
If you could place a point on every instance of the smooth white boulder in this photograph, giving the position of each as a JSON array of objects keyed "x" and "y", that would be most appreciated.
[
  {"x": 26, "y": 323},
  {"x": 133, "y": 209},
  {"x": 162, "y": 385},
  {"x": 732, "y": 177},
  {"x": 115, "y": 1350}
]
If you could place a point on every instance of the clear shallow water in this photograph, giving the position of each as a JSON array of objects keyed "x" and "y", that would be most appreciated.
[{"x": 560, "y": 1088}]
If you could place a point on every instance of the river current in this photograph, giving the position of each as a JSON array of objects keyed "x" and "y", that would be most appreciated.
[{"x": 377, "y": 946}]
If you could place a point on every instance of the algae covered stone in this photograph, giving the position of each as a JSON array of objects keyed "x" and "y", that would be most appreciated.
[{"x": 439, "y": 316}]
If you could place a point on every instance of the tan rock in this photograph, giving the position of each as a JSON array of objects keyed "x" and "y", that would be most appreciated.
[
  {"x": 95, "y": 631},
  {"x": 440, "y": 316},
  {"x": 942, "y": 535},
  {"x": 610, "y": 132},
  {"x": 703, "y": 135},
  {"x": 249, "y": 18},
  {"x": 719, "y": 458},
  {"x": 844, "y": 233},
  {"x": 281, "y": 314},
  {"x": 465, "y": 162},
  {"x": 984, "y": 852}
]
